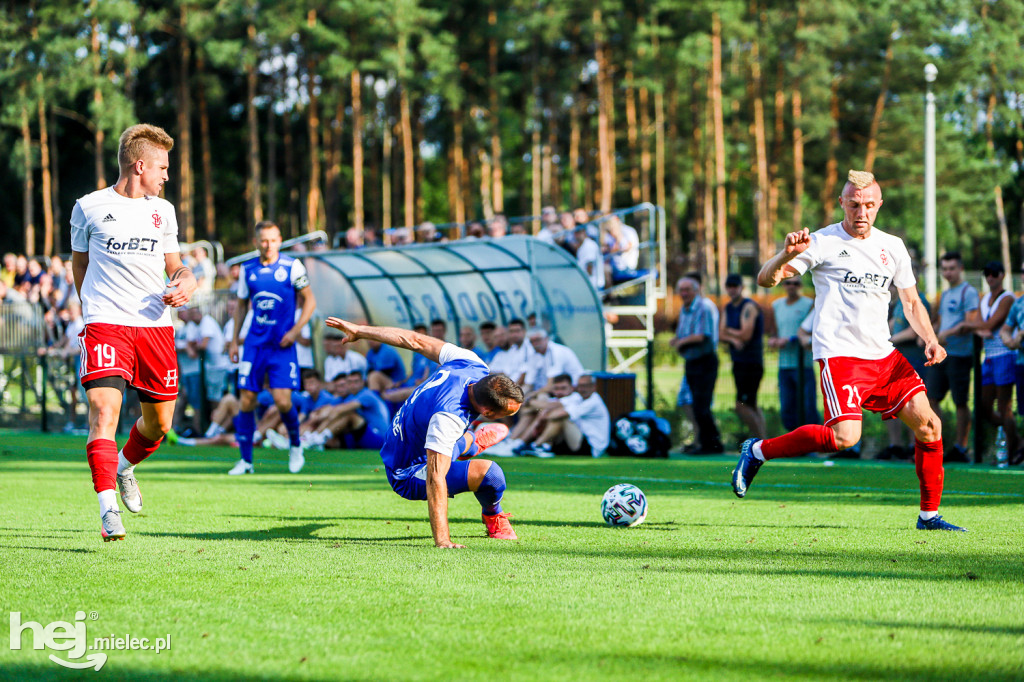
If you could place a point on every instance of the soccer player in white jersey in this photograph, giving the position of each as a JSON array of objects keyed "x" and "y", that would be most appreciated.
[
  {"x": 124, "y": 239},
  {"x": 853, "y": 264}
]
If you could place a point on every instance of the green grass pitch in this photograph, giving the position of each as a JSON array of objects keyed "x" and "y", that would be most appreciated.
[{"x": 818, "y": 574}]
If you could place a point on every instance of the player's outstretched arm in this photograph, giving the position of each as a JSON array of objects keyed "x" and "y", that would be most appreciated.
[
  {"x": 437, "y": 499},
  {"x": 427, "y": 346},
  {"x": 183, "y": 282},
  {"x": 777, "y": 268}
]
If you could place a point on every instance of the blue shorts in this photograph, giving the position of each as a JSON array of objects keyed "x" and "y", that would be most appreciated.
[
  {"x": 411, "y": 483},
  {"x": 1000, "y": 370},
  {"x": 279, "y": 366}
]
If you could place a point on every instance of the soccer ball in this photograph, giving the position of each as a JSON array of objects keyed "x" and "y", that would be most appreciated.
[{"x": 624, "y": 505}]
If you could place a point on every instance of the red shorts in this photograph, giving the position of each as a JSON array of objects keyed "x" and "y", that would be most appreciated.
[
  {"x": 849, "y": 384},
  {"x": 143, "y": 356}
]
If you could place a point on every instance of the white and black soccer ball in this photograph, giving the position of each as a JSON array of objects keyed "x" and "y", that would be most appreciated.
[{"x": 624, "y": 505}]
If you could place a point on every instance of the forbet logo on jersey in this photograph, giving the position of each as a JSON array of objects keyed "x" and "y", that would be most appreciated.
[{"x": 72, "y": 638}]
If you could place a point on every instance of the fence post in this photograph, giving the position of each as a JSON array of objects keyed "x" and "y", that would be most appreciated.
[
  {"x": 43, "y": 419},
  {"x": 650, "y": 374}
]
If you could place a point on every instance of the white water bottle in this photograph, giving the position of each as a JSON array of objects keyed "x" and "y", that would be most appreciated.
[{"x": 1001, "y": 458}]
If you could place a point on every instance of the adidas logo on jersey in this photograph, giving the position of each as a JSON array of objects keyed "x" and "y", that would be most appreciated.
[
  {"x": 844, "y": 254},
  {"x": 110, "y": 218}
]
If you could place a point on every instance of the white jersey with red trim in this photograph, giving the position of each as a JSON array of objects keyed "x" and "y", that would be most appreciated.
[
  {"x": 851, "y": 283},
  {"x": 126, "y": 240}
]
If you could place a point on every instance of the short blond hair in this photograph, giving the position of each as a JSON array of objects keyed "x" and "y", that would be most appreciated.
[
  {"x": 860, "y": 179},
  {"x": 138, "y": 141}
]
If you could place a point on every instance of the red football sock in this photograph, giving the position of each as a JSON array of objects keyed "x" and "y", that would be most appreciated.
[
  {"x": 928, "y": 462},
  {"x": 809, "y": 438},
  {"x": 138, "y": 446},
  {"x": 103, "y": 463}
]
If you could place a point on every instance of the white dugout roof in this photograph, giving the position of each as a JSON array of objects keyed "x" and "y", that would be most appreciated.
[{"x": 463, "y": 282}]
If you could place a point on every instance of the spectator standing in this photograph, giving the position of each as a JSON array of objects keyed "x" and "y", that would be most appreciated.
[
  {"x": 956, "y": 317},
  {"x": 1012, "y": 335},
  {"x": 695, "y": 340},
  {"x": 788, "y": 313},
  {"x": 998, "y": 370},
  {"x": 588, "y": 255},
  {"x": 742, "y": 328},
  {"x": 549, "y": 360},
  {"x": 204, "y": 269}
]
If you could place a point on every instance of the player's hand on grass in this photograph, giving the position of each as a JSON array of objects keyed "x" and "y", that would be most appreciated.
[
  {"x": 448, "y": 544},
  {"x": 351, "y": 330},
  {"x": 934, "y": 353},
  {"x": 797, "y": 242}
]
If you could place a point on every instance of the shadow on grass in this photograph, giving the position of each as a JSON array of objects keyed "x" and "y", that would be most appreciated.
[
  {"x": 1011, "y": 631},
  {"x": 49, "y": 671},
  {"x": 51, "y": 549}
]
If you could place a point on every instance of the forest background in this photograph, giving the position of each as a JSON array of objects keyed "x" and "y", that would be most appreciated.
[{"x": 739, "y": 117}]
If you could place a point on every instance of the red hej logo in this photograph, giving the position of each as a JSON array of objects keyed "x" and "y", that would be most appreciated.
[
  {"x": 157, "y": 222},
  {"x": 885, "y": 259}
]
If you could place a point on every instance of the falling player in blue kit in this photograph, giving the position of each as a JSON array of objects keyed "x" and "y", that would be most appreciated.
[
  {"x": 428, "y": 453},
  {"x": 275, "y": 285}
]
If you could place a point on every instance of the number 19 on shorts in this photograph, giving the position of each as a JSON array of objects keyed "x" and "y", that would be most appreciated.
[{"x": 106, "y": 356}]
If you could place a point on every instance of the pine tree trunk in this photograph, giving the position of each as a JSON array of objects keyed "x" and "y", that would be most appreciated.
[
  {"x": 778, "y": 137},
  {"x": 99, "y": 135},
  {"x": 457, "y": 182},
  {"x": 313, "y": 128},
  {"x": 270, "y": 143},
  {"x": 419, "y": 179},
  {"x": 554, "y": 189},
  {"x": 632, "y": 137},
  {"x": 186, "y": 209},
  {"x": 408, "y": 159},
  {"x": 659, "y": 133},
  {"x": 575, "y": 190},
  {"x": 27, "y": 205},
  {"x": 828, "y": 192},
  {"x": 206, "y": 158},
  {"x": 497, "y": 175},
  {"x": 798, "y": 131},
  {"x": 44, "y": 166},
  {"x": 764, "y": 235},
  {"x": 1004, "y": 232},
  {"x": 55, "y": 185},
  {"x": 605, "y": 146},
  {"x": 698, "y": 221},
  {"x": 645, "y": 145},
  {"x": 358, "y": 218},
  {"x": 291, "y": 178},
  {"x": 883, "y": 93},
  {"x": 385, "y": 180},
  {"x": 719, "y": 131},
  {"x": 332, "y": 190},
  {"x": 252, "y": 186}
]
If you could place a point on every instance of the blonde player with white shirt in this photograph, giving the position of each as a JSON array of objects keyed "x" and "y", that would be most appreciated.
[
  {"x": 124, "y": 240},
  {"x": 853, "y": 264}
]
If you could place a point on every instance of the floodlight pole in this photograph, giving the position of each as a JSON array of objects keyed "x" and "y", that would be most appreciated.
[{"x": 930, "y": 255}]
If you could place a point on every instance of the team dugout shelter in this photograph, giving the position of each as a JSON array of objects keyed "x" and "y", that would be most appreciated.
[{"x": 464, "y": 282}]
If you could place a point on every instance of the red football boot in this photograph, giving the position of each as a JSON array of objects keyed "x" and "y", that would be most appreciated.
[{"x": 498, "y": 526}]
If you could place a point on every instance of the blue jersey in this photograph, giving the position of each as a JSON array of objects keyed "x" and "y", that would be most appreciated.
[
  {"x": 387, "y": 360},
  {"x": 437, "y": 413},
  {"x": 271, "y": 293},
  {"x": 305, "y": 404},
  {"x": 373, "y": 410}
]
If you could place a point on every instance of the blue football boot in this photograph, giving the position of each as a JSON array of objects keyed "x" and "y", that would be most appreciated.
[
  {"x": 936, "y": 523},
  {"x": 746, "y": 468}
]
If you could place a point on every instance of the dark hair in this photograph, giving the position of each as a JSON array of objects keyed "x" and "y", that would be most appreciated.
[
  {"x": 487, "y": 325},
  {"x": 418, "y": 326},
  {"x": 310, "y": 373},
  {"x": 993, "y": 267},
  {"x": 562, "y": 379},
  {"x": 356, "y": 373},
  {"x": 695, "y": 276},
  {"x": 953, "y": 255},
  {"x": 496, "y": 392},
  {"x": 440, "y": 322},
  {"x": 516, "y": 320}
]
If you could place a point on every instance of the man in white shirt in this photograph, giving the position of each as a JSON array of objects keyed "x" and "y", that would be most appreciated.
[
  {"x": 549, "y": 360},
  {"x": 853, "y": 264},
  {"x": 341, "y": 360},
  {"x": 573, "y": 423},
  {"x": 588, "y": 254}
]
